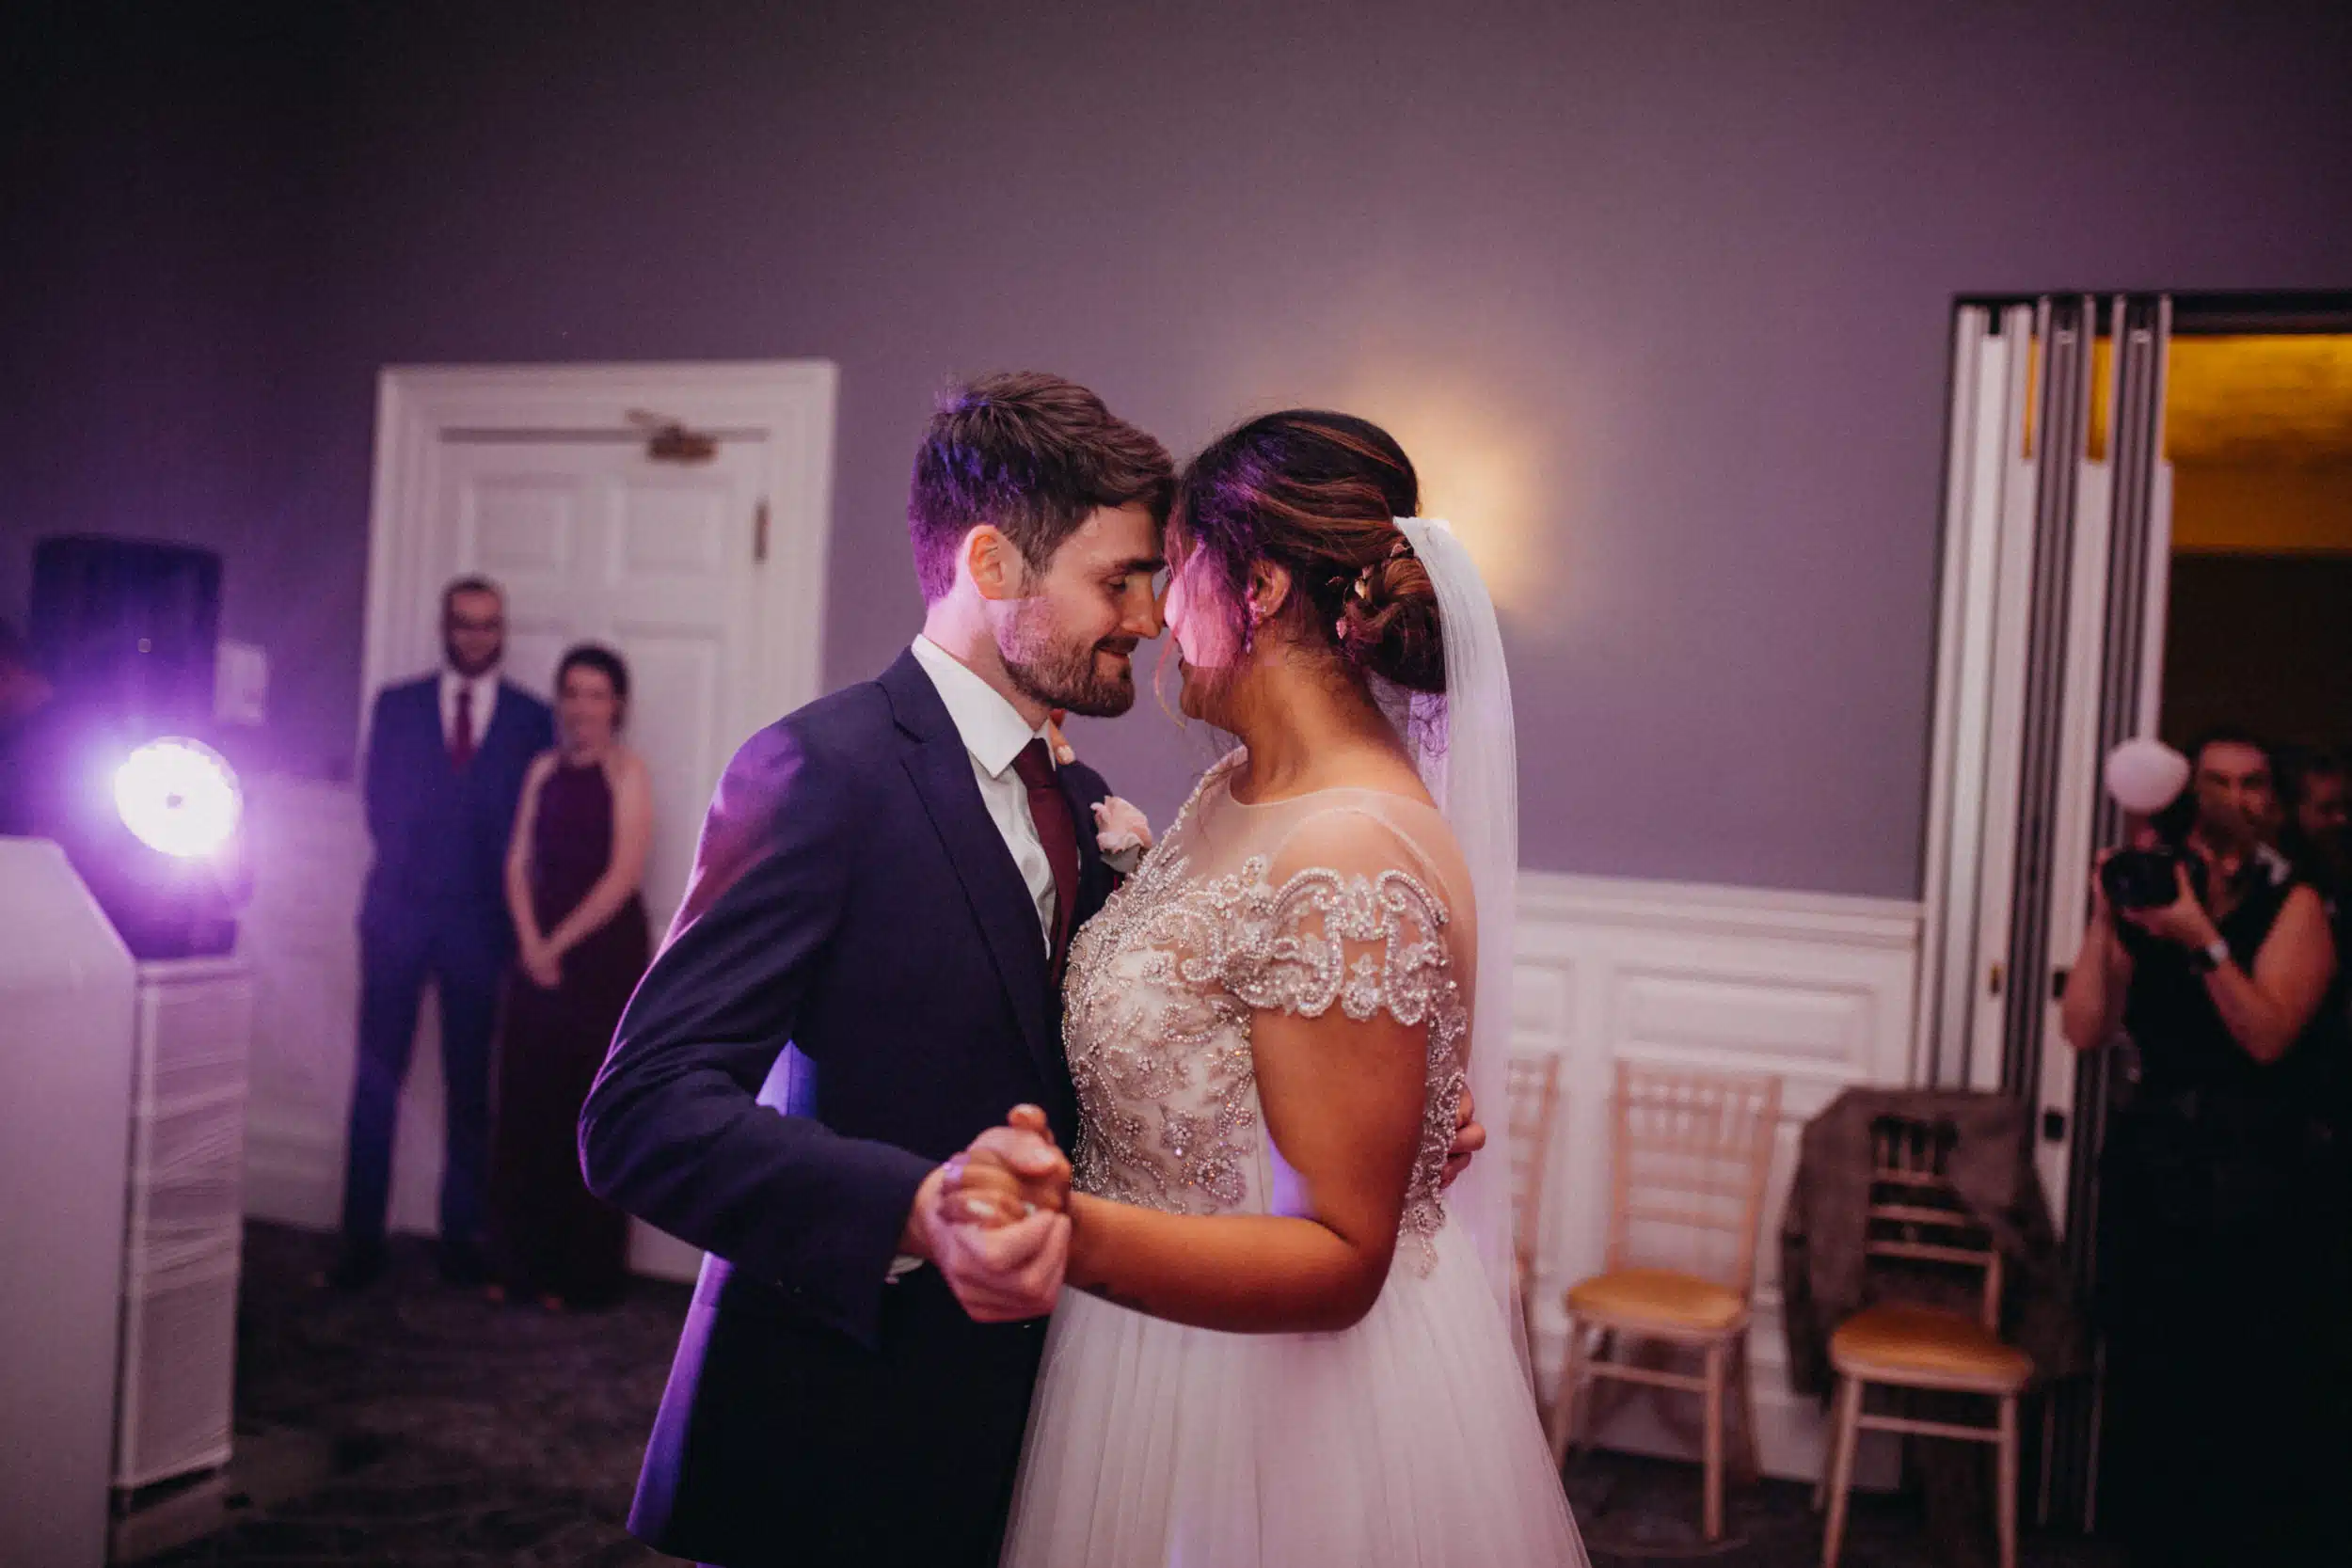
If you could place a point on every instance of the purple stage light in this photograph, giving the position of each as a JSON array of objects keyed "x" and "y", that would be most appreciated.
[{"x": 179, "y": 796}]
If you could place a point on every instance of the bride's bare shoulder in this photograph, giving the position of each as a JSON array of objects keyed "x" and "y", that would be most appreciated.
[{"x": 1364, "y": 830}]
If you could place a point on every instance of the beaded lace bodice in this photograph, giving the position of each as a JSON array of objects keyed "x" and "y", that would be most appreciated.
[{"x": 1337, "y": 898}]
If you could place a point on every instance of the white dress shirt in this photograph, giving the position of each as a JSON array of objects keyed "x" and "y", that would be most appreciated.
[
  {"x": 993, "y": 735},
  {"x": 485, "y": 687}
]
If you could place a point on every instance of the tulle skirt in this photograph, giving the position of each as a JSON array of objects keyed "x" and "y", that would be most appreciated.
[{"x": 1408, "y": 1441}]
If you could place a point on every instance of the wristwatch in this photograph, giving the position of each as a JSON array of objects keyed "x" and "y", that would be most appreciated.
[{"x": 2205, "y": 959}]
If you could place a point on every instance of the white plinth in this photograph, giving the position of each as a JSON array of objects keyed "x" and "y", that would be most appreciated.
[
  {"x": 186, "y": 1230},
  {"x": 66, "y": 1026}
]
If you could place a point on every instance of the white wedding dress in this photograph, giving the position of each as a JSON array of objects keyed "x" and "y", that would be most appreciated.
[{"x": 1410, "y": 1439}]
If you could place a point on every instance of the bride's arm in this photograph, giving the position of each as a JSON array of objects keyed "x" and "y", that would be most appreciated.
[
  {"x": 1352, "y": 945},
  {"x": 1343, "y": 1102}
]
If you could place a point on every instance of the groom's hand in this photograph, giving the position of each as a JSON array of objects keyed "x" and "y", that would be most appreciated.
[
  {"x": 1008, "y": 1174},
  {"x": 980, "y": 1188},
  {"x": 1008, "y": 1272},
  {"x": 1001, "y": 1240},
  {"x": 1024, "y": 1148},
  {"x": 1469, "y": 1138}
]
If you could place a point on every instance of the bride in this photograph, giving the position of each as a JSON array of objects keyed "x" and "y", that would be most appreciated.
[{"x": 1288, "y": 1342}]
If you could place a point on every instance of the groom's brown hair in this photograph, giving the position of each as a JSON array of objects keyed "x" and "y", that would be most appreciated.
[{"x": 1032, "y": 456}]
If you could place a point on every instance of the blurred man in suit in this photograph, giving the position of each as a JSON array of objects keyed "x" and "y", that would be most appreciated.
[{"x": 446, "y": 759}]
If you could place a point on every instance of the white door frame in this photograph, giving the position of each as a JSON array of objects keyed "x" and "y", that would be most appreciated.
[
  {"x": 1980, "y": 656},
  {"x": 784, "y": 408},
  {"x": 1990, "y": 523},
  {"x": 786, "y": 404}
]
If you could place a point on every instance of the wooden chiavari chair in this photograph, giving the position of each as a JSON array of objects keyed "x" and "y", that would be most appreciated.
[
  {"x": 1692, "y": 1151},
  {"x": 1917, "y": 1218},
  {"x": 1535, "y": 1105}
]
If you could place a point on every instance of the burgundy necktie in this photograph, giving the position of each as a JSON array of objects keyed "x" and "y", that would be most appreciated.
[
  {"x": 461, "y": 733},
  {"x": 1049, "y": 810}
]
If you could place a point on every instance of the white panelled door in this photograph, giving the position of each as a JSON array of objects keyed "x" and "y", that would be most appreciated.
[
  {"x": 704, "y": 572},
  {"x": 598, "y": 543}
]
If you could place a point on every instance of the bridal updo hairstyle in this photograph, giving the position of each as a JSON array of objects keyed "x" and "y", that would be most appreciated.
[{"x": 1317, "y": 494}]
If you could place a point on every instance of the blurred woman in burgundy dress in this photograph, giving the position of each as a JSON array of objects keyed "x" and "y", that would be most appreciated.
[{"x": 572, "y": 877}]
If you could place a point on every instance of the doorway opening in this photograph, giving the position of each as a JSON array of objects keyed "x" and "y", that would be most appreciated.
[
  {"x": 2258, "y": 632},
  {"x": 2147, "y": 532}
]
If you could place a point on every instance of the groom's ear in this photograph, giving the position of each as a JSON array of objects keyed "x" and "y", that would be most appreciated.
[{"x": 994, "y": 565}]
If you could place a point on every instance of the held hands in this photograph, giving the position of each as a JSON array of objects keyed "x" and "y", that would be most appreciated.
[
  {"x": 995, "y": 1223},
  {"x": 994, "y": 1219},
  {"x": 1010, "y": 1173}
]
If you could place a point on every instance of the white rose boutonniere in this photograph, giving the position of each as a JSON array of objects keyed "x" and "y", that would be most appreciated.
[{"x": 1123, "y": 833}]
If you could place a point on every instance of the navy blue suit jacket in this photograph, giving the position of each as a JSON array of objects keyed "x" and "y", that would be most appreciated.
[
  {"x": 442, "y": 833},
  {"x": 856, "y": 987}
]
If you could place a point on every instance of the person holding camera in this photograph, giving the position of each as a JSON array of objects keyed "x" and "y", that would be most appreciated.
[{"x": 2222, "y": 1246}]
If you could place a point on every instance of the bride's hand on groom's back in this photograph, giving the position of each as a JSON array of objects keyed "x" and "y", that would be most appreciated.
[{"x": 1469, "y": 1138}]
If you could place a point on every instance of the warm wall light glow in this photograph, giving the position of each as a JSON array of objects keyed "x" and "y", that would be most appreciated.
[
  {"x": 1478, "y": 462},
  {"x": 179, "y": 796},
  {"x": 2260, "y": 399}
]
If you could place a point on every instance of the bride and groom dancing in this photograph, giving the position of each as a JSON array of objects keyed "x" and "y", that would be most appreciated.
[{"x": 1277, "y": 1335}]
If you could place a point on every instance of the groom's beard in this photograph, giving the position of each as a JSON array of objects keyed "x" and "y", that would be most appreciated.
[{"x": 1056, "y": 675}]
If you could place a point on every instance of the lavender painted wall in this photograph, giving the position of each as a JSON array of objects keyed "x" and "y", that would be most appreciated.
[{"x": 1662, "y": 290}]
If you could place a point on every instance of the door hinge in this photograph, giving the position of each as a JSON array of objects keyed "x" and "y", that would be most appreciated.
[
  {"x": 1992, "y": 979},
  {"x": 759, "y": 534}
]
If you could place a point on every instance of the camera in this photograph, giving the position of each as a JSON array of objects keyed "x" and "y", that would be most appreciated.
[
  {"x": 2144, "y": 879},
  {"x": 2149, "y": 780}
]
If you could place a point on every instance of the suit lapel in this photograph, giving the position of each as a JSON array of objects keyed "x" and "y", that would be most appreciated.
[
  {"x": 506, "y": 718},
  {"x": 940, "y": 769},
  {"x": 431, "y": 739},
  {"x": 1094, "y": 877}
]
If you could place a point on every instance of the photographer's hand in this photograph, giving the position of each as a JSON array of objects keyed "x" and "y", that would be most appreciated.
[
  {"x": 2102, "y": 909},
  {"x": 2091, "y": 1007},
  {"x": 2183, "y": 920}
]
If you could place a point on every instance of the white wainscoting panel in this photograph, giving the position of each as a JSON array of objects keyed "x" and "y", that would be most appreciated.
[
  {"x": 1816, "y": 989},
  {"x": 308, "y": 841}
]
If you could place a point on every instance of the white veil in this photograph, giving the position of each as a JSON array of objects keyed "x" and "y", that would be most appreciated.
[{"x": 1466, "y": 747}]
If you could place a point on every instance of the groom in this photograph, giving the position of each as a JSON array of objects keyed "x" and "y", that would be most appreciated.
[{"x": 863, "y": 978}]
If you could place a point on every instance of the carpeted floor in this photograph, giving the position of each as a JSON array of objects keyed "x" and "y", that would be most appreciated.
[{"x": 465, "y": 1436}]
